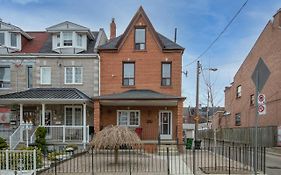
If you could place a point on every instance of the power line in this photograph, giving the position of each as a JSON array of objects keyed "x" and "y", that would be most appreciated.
[{"x": 220, "y": 34}]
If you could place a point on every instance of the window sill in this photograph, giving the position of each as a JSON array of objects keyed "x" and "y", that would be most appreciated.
[
  {"x": 128, "y": 86},
  {"x": 73, "y": 84},
  {"x": 46, "y": 84},
  {"x": 140, "y": 50},
  {"x": 166, "y": 87}
]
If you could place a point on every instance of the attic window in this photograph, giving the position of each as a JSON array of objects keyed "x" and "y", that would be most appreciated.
[
  {"x": 140, "y": 39},
  {"x": 67, "y": 38},
  {"x": 79, "y": 40},
  {"x": 13, "y": 39},
  {"x": 2, "y": 38}
]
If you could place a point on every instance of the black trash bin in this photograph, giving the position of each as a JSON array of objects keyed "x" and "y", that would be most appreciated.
[{"x": 197, "y": 144}]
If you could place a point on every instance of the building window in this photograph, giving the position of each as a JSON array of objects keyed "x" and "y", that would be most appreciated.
[
  {"x": 140, "y": 39},
  {"x": 128, "y": 74},
  {"x": 238, "y": 119},
  {"x": 73, "y": 75},
  {"x": 67, "y": 38},
  {"x": 58, "y": 40},
  {"x": 73, "y": 115},
  {"x": 13, "y": 39},
  {"x": 252, "y": 99},
  {"x": 2, "y": 38},
  {"x": 166, "y": 74},
  {"x": 45, "y": 75},
  {"x": 79, "y": 40},
  {"x": 129, "y": 118},
  {"x": 238, "y": 91},
  {"x": 29, "y": 76},
  {"x": 5, "y": 77}
]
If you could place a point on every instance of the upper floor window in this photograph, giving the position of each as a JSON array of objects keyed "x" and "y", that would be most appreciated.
[
  {"x": 237, "y": 119},
  {"x": 67, "y": 38},
  {"x": 13, "y": 39},
  {"x": 166, "y": 74},
  {"x": 140, "y": 39},
  {"x": 2, "y": 38},
  {"x": 45, "y": 75},
  {"x": 5, "y": 77},
  {"x": 79, "y": 40},
  {"x": 238, "y": 91},
  {"x": 252, "y": 99},
  {"x": 73, "y": 75},
  {"x": 128, "y": 74},
  {"x": 29, "y": 76},
  {"x": 58, "y": 40}
]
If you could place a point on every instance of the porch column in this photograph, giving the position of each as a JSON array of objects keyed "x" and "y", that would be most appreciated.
[
  {"x": 84, "y": 124},
  {"x": 43, "y": 114},
  {"x": 180, "y": 121},
  {"x": 21, "y": 122},
  {"x": 96, "y": 116}
]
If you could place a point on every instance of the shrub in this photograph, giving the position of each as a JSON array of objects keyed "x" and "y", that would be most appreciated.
[
  {"x": 3, "y": 144},
  {"x": 40, "y": 140}
]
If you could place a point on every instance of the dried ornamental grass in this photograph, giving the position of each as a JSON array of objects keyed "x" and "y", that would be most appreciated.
[{"x": 112, "y": 137}]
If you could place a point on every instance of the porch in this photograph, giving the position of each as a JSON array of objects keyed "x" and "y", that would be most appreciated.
[
  {"x": 65, "y": 113},
  {"x": 155, "y": 117}
]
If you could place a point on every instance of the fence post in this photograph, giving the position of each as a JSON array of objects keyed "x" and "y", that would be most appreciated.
[
  {"x": 264, "y": 154},
  {"x": 229, "y": 160},
  {"x": 130, "y": 161},
  {"x": 63, "y": 133},
  {"x": 92, "y": 161},
  {"x": 168, "y": 161},
  {"x": 7, "y": 160},
  {"x": 34, "y": 161},
  {"x": 55, "y": 166}
]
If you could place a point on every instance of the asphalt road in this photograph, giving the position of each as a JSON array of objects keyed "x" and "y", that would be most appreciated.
[{"x": 273, "y": 164}]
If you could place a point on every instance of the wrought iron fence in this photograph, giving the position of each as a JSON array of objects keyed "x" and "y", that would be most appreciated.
[{"x": 164, "y": 159}]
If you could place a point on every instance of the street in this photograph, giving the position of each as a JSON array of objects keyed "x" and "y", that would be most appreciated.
[{"x": 273, "y": 164}]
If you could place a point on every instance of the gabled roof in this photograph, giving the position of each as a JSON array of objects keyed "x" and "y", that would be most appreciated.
[
  {"x": 69, "y": 26},
  {"x": 138, "y": 94},
  {"x": 163, "y": 42},
  {"x": 47, "y": 94},
  {"x": 13, "y": 28}
]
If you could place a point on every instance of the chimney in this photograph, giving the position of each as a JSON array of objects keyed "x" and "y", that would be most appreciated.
[
  {"x": 277, "y": 19},
  {"x": 112, "y": 29}
]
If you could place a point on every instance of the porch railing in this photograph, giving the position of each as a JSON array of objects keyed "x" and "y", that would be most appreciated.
[
  {"x": 16, "y": 137},
  {"x": 64, "y": 133}
]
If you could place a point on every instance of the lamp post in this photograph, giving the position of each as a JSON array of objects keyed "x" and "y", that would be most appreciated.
[{"x": 197, "y": 117}]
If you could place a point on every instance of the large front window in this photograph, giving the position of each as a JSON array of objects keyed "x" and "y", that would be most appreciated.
[
  {"x": 45, "y": 75},
  {"x": 73, "y": 115},
  {"x": 73, "y": 75},
  {"x": 129, "y": 118},
  {"x": 5, "y": 77},
  {"x": 128, "y": 74},
  {"x": 140, "y": 39},
  {"x": 67, "y": 38},
  {"x": 166, "y": 74}
]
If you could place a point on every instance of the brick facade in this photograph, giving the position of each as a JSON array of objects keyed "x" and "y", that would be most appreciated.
[{"x": 267, "y": 47}]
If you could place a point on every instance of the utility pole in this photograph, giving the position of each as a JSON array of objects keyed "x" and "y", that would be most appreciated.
[{"x": 196, "y": 118}]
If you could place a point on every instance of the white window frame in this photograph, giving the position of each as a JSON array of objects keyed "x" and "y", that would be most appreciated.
[
  {"x": 63, "y": 38},
  {"x": 17, "y": 44},
  {"x": 78, "y": 37},
  {"x": 128, "y": 117},
  {"x": 73, "y": 115},
  {"x": 73, "y": 74},
  {"x": 239, "y": 91},
  {"x": 6, "y": 66},
  {"x": 41, "y": 75}
]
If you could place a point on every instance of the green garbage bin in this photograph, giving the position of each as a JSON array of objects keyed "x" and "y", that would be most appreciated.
[{"x": 188, "y": 144}]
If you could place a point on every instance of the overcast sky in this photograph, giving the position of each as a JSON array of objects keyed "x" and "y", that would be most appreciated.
[{"x": 198, "y": 23}]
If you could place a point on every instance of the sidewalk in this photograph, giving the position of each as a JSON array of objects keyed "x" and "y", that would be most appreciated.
[{"x": 274, "y": 151}]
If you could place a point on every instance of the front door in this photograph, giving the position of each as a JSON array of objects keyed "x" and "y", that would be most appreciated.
[{"x": 165, "y": 124}]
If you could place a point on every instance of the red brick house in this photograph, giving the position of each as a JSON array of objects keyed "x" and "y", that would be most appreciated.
[
  {"x": 240, "y": 96},
  {"x": 140, "y": 82}
]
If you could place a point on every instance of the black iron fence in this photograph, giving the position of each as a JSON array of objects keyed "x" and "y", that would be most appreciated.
[{"x": 164, "y": 159}]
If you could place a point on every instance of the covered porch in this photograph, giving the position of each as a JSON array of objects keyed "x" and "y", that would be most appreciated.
[
  {"x": 64, "y": 112},
  {"x": 155, "y": 117}
]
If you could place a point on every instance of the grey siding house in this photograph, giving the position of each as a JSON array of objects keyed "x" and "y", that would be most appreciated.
[{"x": 47, "y": 79}]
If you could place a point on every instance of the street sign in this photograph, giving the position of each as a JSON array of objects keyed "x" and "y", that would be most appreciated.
[
  {"x": 261, "y": 104},
  {"x": 260, "y": 74}
]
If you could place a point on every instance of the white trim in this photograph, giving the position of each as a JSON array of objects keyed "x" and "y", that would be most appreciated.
[
  {"x": 166, "y": 136},
  {"x": 73, "y": 107},
  {"x": 128, "y": 118}
]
